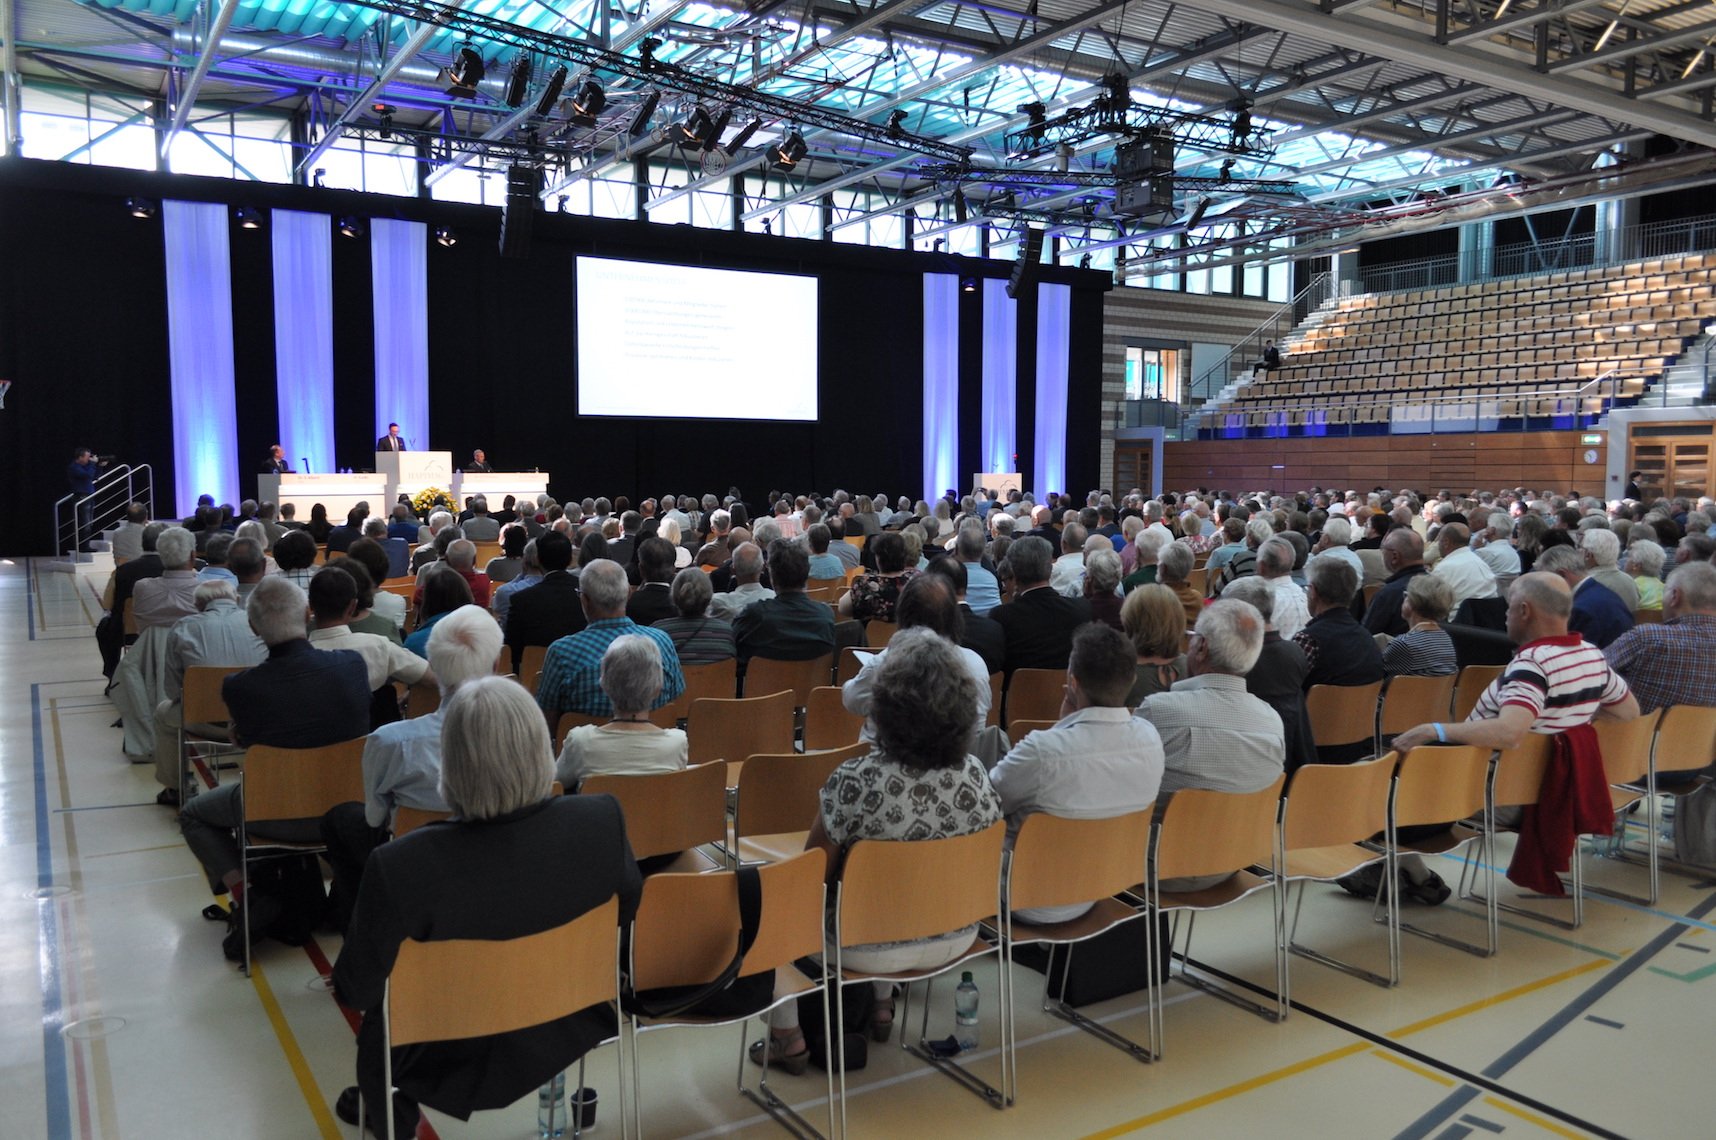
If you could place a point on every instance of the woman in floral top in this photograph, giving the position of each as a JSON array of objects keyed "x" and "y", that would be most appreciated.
[
  {"x": 872, "y": 596},
  {"x": 919, "y": 782}
]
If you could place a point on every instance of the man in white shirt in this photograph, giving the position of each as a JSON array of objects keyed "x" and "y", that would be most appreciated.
[
  {"x": 333, "y": 603},
  {"x": 1467, "y": 575},
  {"x": 1275, "y": 560},
  {"x": 1492, "y": 545},
  {"x": 747, "y": 573},
  {"x": 1097, "y": 762},
  {"x": 1067, "y": 576},
  {"x": 402, "y": 761},
  {"x": 127, "y": 541}
]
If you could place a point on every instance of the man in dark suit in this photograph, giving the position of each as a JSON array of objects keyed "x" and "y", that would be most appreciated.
[
  {"x": 1403, "y": 558},
  {"x": 392, "y": 441},
  {"x": 479, "y": 464},
  {"x": 276, "y": 463},
  {"x": 404, "y": 524},
  {"x": 549, "y": 610},
  {"x": 1038, "y": 626},
  {"x": 1045, "y": 529},
  {"x": 1599, "y": 614},
  {"x": 620, "y": 549},
  {"x": 461, "y": 880},
  {"x": 110, "y": 631},
  {"x": 791, "y": 626},
  {"x": 653, "y": 599},
  {"x": 980, "y": 635}
]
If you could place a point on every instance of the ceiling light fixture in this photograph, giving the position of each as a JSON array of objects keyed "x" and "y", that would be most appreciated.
[
  {"x": 640, "y": 121},
  {"x": 446, "y": 237},
  {"x": 518, "y": 80},
  {"x": 384, "y": 111},
  {"x": 465, "y": 73},
  {"x": 787, "y": 153},
  {"x": 140, "y": 207},
  {"x": 697, "y": 127},
  {"x": 351, "y": 227},
  {"x": 897, "y": 123},
  {"x": 551, "y": 93},
  {"x": 249, "y": 218},
  {"x": 743, "y": 137},
  {"x": 588, "y": 103}
]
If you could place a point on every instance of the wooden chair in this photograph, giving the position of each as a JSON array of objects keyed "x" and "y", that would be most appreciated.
[
  {"x": 1627, "y": 746},
  {"x": 776, "y": 801},
  {"x": 827, "y": 724},
  {"x": 292, "y": 784},
  {"x": 409, "y": 819},
  {"x": 459, "y": 988},
  {"x": 1343, "y": 714},
  {"x": 686, "y": 932},
  {"x": 878, "y": 633},
  {"x": 204, "y": 724},
  {"x": 716, "y": 679},
  {"x": 736, "y": 728},
  {"x": 1034, "y": 694},
  {"x": 1063, "y": 862},
  {"x": 766, "y": 675},
  {"x": 897, "y": 892},
  {"x": 1201, "y": 832},
  {"x": 992, "y": 719},
  {"x": 1410, "y": 701},
  {"x": 1330, "y": 813},
  {"x": 830, "y": 586},
  {"x": 1472, "y": 682},
  {"x": 127, "y": 619},
  {"x": 1648, "y": 617},
  {"x": 421, "y": 699},
  {"x": 530, "y": 666},
  {"x": 1434, "y": 784},
  {"x": 669, "y": 812}
]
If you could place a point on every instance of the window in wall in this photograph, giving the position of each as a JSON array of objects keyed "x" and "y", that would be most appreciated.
[
  {"x": 614, "y": 197},
  {"x": 712, "y": 209},
  {"x": 802, "y": 219},
  {"x": 1281, "y": 280},
  {"x": 463, "y": 184},
  {"x": 1152, "y": 373},
  {"x": 68, "y": 125}
]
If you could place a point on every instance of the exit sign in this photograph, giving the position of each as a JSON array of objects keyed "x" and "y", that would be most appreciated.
[{"x": 1591, "y": 437}]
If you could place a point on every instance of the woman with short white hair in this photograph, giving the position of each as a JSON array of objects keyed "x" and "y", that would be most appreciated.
[
  {"x": 629, "y": 744},
  {"x": 1644, "y": 562},
  {"x": 464, "y": 880}
]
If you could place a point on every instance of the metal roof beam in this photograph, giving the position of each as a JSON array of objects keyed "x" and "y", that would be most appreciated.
[
  {"x": 205, "y": 61},
  {"x": 1524, "y": 158},
  {"x": 1521, "y": 18},
  {"x": 1634, "y": 47},
  {"x": 1464, "y": 63}
]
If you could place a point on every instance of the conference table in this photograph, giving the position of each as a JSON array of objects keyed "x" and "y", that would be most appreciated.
[{"x": 396, "y": 473}]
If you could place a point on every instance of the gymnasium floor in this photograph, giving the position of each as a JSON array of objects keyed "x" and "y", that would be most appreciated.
[{"x": 120, "y": 1017}]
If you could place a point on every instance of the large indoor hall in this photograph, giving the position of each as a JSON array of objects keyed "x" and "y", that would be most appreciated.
[{"x": 976, "y": 568}]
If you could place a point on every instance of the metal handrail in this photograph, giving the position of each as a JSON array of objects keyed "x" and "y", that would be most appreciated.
[
  {"x": 106, "y": 504},
  {"x": 1614, "y": 378},
  {"x": 1252, "y": 341}
]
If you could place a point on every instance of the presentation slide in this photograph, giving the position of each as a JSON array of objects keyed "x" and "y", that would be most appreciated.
[{"x": 673, "y": 341}]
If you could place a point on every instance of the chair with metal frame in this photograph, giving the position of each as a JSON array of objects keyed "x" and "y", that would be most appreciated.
[
  {"x": 1409, "y": 700},
  {"x": 735, "y": 728},
  {"x": 1329, "y": 817},
  {"x": 1627, "y": 747},
  {"x": 827, "y": 724},
  {"x": 292, "y": 783},
  {"x": 670, "y": 812},
  {"x": 878, "y": 633},
  {"x": 423, "y": 698},
  {"x": 1343, "y": 714},
  {"x": 1020, "y": 729},
  {"x": 898, "y": 892},
  {"x": 686, "y": 933},
  {"x": 530, "y": 666},
  {"x": 1470, "y": 685},
  {"x": 460, "y": 988},
  {"x": 1202, "y": 832},
  {"x": 1034, "y": 694},
  {"x": 1683, "y": 733},
  {"x": 764, "y": 675},
  {"x": 1063, "y": 862},
  {"x": 1434, "y": 784},
  {"x": 775, "y": 800},
  {"x": 204, "y": 725},
  {"x": 714, "y": 679}
]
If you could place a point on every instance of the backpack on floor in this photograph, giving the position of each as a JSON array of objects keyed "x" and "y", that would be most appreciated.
[{"x": 1695, "y": 827}]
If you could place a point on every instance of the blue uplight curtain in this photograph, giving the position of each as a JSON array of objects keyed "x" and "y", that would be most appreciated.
[
  {"x": 399, "y": 258},
  {"x": 199, "y": 339},
  {"x": 1000, "y": 377},
  {"x": 1054, "y": 324},
  {"x": 304, "y": 336},
  {"x": 941, "y": 384}
]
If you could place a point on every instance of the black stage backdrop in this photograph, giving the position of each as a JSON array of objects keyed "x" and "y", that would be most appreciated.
[{"x": 83, "y": 336}]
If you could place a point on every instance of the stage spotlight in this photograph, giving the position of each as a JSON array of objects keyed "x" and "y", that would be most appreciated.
[
  {"x": 968, "y": 284},
  {"x": 697, "y": 128},
  {"x": 640, "y": 121},
  {"x": 140, "y": 207},
  {"x": 959, "y": 206},
  {"x": 1197, "y": 214},
  {"x": 1242, "y": 124},
  {"x": 351, "y": 227},
  {"x": 249, "y": 218},
  {"x": 743, "y": 137},
  {"x": 896, "y": 123},
  {"x": 551, "y": 93},
  {"x": 562, "y": 200},
  {"x": 518, "y": 80},
  {"x": 787, "y": 153},
  {"x": 446, "y": 236},
  {"x": 385, "y": 113},
  {"x": 1226, "y": 174},
  {"x": 588, "y": 103},
  {"x": 1084, "y": 262},
  {"x": 465, "y": 73}
]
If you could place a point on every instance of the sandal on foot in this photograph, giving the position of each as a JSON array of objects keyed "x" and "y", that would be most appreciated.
[
  {"x": 882, "y": 1021},
  {"x": 771, "y": 1051}
]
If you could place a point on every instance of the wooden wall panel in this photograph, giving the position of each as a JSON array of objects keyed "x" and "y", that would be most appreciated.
[{"x": 1551, "y": 460}]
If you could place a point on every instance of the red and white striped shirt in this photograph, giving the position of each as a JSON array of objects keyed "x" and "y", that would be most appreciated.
[{"x": 1562, "y": 680}]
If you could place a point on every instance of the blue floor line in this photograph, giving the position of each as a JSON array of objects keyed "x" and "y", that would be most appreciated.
[
  {"x": 48, "y": 926},
  {"x": 30, "y": 596},
  {"x": 1605, "y": 900}
]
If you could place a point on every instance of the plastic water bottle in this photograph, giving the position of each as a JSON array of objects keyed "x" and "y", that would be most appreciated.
[
  {"x": 965, "y": 1012},
  {"x": 551, "y": 1108}
]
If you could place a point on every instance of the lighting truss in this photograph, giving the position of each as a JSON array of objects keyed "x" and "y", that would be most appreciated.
[
  {"x": 949, "y": 174},
  {"x": 1103, "y": 117},
  {"x": 645, "y": 68}
]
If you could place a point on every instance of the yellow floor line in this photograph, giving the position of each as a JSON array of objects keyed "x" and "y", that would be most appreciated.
[
  {"x": 1416, "y": 1070},
  {"x": 1243, "y": 1087},
  {"x": 1531, "y": 1117},
  {"x": 294, "y": 1055}
]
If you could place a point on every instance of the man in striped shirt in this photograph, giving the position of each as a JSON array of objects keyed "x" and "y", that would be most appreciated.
[{"x": 1555, "y": 681}]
